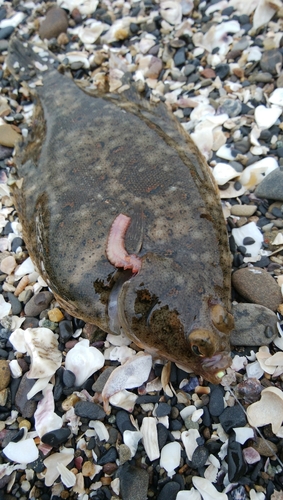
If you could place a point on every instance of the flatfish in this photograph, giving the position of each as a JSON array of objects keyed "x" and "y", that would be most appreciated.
[{"x": 86, "y": 160}]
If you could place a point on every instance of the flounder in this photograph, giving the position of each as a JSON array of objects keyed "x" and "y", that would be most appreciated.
[{"x": 86, "y": 160}]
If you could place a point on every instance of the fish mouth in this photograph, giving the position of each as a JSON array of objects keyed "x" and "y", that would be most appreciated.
[{"x": 213, "y": 368}]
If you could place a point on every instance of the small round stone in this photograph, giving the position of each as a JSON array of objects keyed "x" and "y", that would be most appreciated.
[
  {"x": 55, "y": 315},
  {"x": 162, "y": 410},
  {"x": 270, "y": 61},
  {"x": 25, "y": 423},
  {"x": 38, "y": 303},
  {"x": 88, "y": 469},
  {"x": 257, "y": 286},
  {"x": 55, "y": 22},
  {"x": 56, "y": 437},
  {"x": 69, "y": 378},
  {"x": 89, "y": 410},
  {"x": 9, "y": 136},
  {"x": 5, "y": 374},
  {"x": 232, "y": 417},
  {"x": 232, "y": 107}
]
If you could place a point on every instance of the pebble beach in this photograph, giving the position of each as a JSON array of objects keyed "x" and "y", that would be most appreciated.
[{"x": 89, "y": 415}]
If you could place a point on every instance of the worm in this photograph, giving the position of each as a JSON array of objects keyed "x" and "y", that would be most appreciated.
[{"x": 115, "y": 249}]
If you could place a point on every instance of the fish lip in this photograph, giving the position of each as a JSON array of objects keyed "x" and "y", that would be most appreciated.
[{"x": 219, "y": 361}]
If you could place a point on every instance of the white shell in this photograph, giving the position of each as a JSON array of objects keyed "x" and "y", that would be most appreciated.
[
  {"x": 170, "y": 457},
  {"x": 207, "y": 490},
  {"x": 269, "y": 410},
  {"x": 51, "y": 462},
  {"x": 171, "y": 12},
  {"x": 251, "y": 229},
  {"x": 68, "y": 478},
  {"x": 46, "y": 419},
  {"x": 85, "y": 6},
  {"x": 124, "y": 399},
  {"x": 5, "y": 307},
  {"x": 222, "y": 173},
  {"x": 277, "y": 97},
  {"x": 191, "y": 494},
  {"x": 189, "y": 439},
  {"x": 131, "y": 439},
  {"x": 150, "y": 438},
  {"x": 243, "y": 434},
  {"x": 26, "y": 267},
  {"x": 266, "y": 117},
  {"x": 100, "y": 429},
  {"x": 15, "y": 369},
  {"x": 256, "y": 172},
  {"x": 83, "y": 361},
  {"x": 22, "y": 452},
  {"x": 254, "y": 370}
]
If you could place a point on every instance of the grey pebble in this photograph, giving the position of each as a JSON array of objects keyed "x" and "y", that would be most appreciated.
[
  {"x": 89, "y": 410},
  {"x": 200, "y": 456},
  {"x": 25, "y": 406},
  {"x": 15, "y": 303},
  {"x": 38, "y": 303},
  {"x": 232, "y": 416},
  {"x": 232, "y": 108},
  {"x": 216, "y": 401},
  {"x": 270, "y": 61},
  {"x": 102, "y": 379},
  {"x": 162, "y": 410},
  {"x": 69, "y": 378},
  {"x": 257, "y": 286},
  {"x": 255, "y": 325},
  {"x": 6, "y": 32},
  {"x": 4, "y": 44},
  {"x": 169, "y": 490},
  {"x": 133, "y": 482},
  {"x": 189, "y": 69},
  {"x": 271, "y": 186},
  {"x": 242, "y": 44},
  {"x": 110, "y": 455}
]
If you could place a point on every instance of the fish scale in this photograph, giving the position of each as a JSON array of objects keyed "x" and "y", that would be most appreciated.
[{"x": 86, "y": 160}]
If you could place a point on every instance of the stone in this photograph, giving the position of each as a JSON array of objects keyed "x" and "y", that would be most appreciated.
[
  {"x": 232, "y": 416},
  {"x": 216, "y": 401},
  {"x": 133, "y": 482},
  {"x": 271, "y": 187},
  {"x": 270, "y": 61},
  {"x": 243, "y": 210},
  {"x": 257, "y": 286},
  {"x": 265, "y": 447},
  {"x": 124, "y": 454},
  {"x": 200, "y": 456},
  {"x": 169, "y": 490},
  {"x": 123, "y": 422},
  {"x": 222, "y": 70},
  {"x": 25, "y": 406},
  {"x": 38, "y": 303},
  {"x": 9, "y": 136},
  {"x": 5, "y": 374},
  {"x": 8, "y": 264},
  {"x": 55, "y": 23},
  {"x": 103, "y": 377},
  {"x": 162, "y": 410},
  {"x": 237, "y": 467},
  {"x": 66, "y": 330},
  {"x": 89, "y": 410},
  {"x": 56, "y": 437},
  {"x": 69, "y": 378},
  {"x": 15, "y": 303},
  {"x": 255, "y": 325},
  {"x": 6, "y": 32},
  {"x": 110, "y": 455},
  {"x": 55, "y": 315},
  {"x": 232, "y": 107}
]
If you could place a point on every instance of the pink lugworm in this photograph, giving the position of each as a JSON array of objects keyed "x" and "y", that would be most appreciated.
[{"x": 115, "y": 249}]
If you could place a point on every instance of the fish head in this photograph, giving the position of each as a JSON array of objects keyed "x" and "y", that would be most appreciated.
[{"x": 187, "y": 324}]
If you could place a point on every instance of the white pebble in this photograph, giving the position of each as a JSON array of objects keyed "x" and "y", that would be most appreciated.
[
  {"x": 8, "y": 265},
  {"x": 15, "y": 369},
  {"x": 277, "y": 97}
]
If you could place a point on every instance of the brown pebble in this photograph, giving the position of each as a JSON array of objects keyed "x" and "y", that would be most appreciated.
[
  {"x": 110, "y": 468},
  {"x": 106, "y": 480},
  {"x": 9, "y": 136},
  {"x": 63, "y": 39},
  {"x": 201, "y": 389},
  {"x": 55, "y": 315},
  {"x": 25, "y": 423},
  {"x": 265, "y": 447},
  {"x": 69, "y": 402},
  {"x": 208, "y": 73},
  {"x": 3, "y": 396},
  {"x": 257, "y": 286},
  {"x": 76, "y": 15},
  {"x": 55, "y": 22},
  {"x": 88, "y": 469},
  {"x": 5, "y": 374}
]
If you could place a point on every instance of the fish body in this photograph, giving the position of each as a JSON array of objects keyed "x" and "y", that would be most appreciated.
[{"x": 90, "y": 158}]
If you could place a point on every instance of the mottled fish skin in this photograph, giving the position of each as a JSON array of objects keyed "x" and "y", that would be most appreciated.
[{"x": 87, "y": 160}]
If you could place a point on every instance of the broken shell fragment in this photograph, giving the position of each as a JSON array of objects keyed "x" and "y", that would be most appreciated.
[
  {"x": 170, "y": 457},
  {"x": 269, "y": 410},
  {"x": 83, "y": 361}
]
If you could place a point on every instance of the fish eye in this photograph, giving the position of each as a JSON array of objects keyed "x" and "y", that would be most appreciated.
[{"x": 196, "y": 350}]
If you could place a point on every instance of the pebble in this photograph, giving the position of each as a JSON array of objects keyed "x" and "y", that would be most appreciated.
[
  {"x": 15, "y": 303},
  {"x": 55, "y": 315},
  {"x": 265, "y": 447},
  {"x": 66, "y": 330},
  {"x": 89, "y": 410},
  {"x": 271, "y": 186},
  {"x": 8, "y": 136},
  {"x": 38, "y": 303},
  {"x": 232, "y": 416},
  {"x": 8, "y": 264},
  {"x": 237, "y": 467},
  {"x": 56, "y": 437},
  {"x": 110, "y": 455},
  {"x": 232, "y": 107},
  {"x": 133, "y": 482},
  {"x": 200, "y": 456},
  {"x": 6, "y": 32},
  {"x": 16, "y": 243},
  {"x": 255, "y": 325},
  {"x": 69, "y": 378},
  {"x": 169, "y": 490},
  {"x": 222, "y": 70},
  {"x": 123, "y": 422},
  {"x": 26, "y": 406},
  {"x": 124, "y": 454},
  {"x": 162, "y": 410},
  {"x": 5, "y": 374},
  {"x": 243, "y": 210},
  {"x": 257, "y": 286},
  {"x": 270, "y": 61},
  {"x": 216, "y": 401},
  {"x": 55, "y": 23}
]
